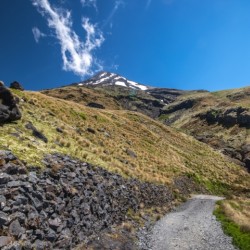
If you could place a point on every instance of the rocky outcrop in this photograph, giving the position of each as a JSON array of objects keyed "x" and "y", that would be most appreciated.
[
  {"x": 183, "y": 105},
  {"x": 16, "y": 85},
  {"x": 95, "y": 105},
  {"x": 8, "y": 106},
  {"x": 164, "y": 94},
  {"x": 67, "y": 203},
  {"x": 228, "y": 117}
]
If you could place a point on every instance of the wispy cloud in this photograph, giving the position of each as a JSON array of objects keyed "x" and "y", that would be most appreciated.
[
  {"x": 148, "y": 3},
  {"x": 37, "y": 34},
  {"x": 168, "y": 2},
  {"x": 89, "y": 3},
  {"x": 117, "y": 4},
  {"x": 77, "y": 55}
]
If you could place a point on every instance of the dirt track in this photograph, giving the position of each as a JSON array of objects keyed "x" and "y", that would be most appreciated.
[{"x": 192, "y": 226}]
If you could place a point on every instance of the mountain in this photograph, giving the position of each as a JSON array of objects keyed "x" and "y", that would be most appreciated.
[
  {"x": 89, "y": 162},
  {"x": 109, "y": 79},
  {"x": 111, "y": 91},
  {"x": 220, "y": 119}
]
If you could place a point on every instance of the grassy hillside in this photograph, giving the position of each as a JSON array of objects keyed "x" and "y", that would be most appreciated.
[
  {"x": 234, "y": 216},
  {"x": 125, "y": 142},
  {"x": 227, "y": 134}
]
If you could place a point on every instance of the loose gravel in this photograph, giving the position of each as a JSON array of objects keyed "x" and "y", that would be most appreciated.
[{"x": 191, "y": 227}]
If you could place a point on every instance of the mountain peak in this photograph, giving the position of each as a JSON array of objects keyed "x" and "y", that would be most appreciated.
[{"x": 107, "y": 79}]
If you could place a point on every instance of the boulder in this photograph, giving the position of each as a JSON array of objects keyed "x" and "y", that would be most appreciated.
[
  {"x": 95, "y": 105},
  {"x": 36, "y": 133},
  {"x": 8, "y": 106},
  {"x": 244, "y": 119},
  {"x": 16, "y": 85}
]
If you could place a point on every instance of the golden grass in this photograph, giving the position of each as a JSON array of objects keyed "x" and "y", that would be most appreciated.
[
  {"x": 162, "y": 152},
  {"x": 238, "y": 211}
]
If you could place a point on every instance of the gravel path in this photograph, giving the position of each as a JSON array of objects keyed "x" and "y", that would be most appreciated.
[{"x": 191, "y": 227}]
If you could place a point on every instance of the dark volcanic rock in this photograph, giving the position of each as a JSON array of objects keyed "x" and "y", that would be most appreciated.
[
  {"x": 15, "y": 229},
  {"x": 187, "y": 104},
  {"x": 91, "y": 130},
  {"x": 36, "y": 133},
  {"x": 95, "y": 105},
  {"x": 3, "y": 219},
  {"x": 4, "y": 241},
  {"x": 8, "y": 106},
  {"x": 228, "y": 118},
  {"x": 59, "y": 210},
  {"x": 16, "y": 85}
]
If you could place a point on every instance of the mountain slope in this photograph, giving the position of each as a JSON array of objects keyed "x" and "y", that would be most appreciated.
[
  {"x": 105, "y": 90},
  {"x": 220, "y": 119},
  {"x": 121, "y": 141}
]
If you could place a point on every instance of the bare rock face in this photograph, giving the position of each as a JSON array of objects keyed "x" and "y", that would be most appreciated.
[
  {"x": 228, "y": 118},
  {"x": 16, "y": 85},
  {"x": 8, "y": 106}
]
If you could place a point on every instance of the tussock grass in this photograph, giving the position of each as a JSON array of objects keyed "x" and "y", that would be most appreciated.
[
  {"x": 162, "y": 152},
  {"x": 234, "y": 216}
]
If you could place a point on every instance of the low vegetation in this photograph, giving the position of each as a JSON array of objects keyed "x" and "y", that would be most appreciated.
[
  {"x": 234, "y": 216},
  {"x": 124, "y": 142}
]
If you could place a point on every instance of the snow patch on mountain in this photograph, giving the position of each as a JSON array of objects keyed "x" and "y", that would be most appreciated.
[{"x": 109, "y": 79}]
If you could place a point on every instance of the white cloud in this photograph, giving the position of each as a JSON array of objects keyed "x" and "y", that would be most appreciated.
[
  {"x": 37, "y": 34},
  {"x": 77, "y": 55},
  {"x": 89, "y": 3}
]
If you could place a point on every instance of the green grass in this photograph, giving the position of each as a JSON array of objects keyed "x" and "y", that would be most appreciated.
[
  {"x": 213, "y": 186},
  {"x": 163, "y": 117},
  {"x": 240, "y": 239}
]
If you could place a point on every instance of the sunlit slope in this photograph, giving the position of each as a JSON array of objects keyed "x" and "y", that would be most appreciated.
[{"x": 125, "y": 142}]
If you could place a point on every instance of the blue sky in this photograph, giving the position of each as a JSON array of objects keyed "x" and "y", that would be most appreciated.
[{"x": 185, "y": 44}]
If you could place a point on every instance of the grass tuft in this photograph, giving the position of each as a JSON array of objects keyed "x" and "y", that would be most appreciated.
[{"x": 241, "y": 238}]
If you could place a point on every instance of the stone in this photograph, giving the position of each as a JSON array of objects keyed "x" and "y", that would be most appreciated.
[
  {"x": 55, "y": 223},
  {"x": 51, "y": 235},
  {"x": 131, "y": 153},
  {"x": 247, "y": 163},
  {"x": 12, "y": 169},
  {"x": 36, "y": 133},
  {"x": 16, "y": 85},
  {"x": 13, "y": 184},
  {"x": 4, "y": 178},
  {"x": 4, "y": 241},
  {"x": 18, "y": 216},
  {"x": 2, "y": 201},
  {"x": 15, "y": 228},
  {"x": 95, "y": 105},
  {"x": 40, "y": 245},
  {"x": 8, "y": 106},
  {"x": 39, "y": 234},
  {"x": 244, "y": 119},
  {"x": 91, "y": 130},
  {"x": 4, "y": 220},
  {"x": 59, "y": 130}
]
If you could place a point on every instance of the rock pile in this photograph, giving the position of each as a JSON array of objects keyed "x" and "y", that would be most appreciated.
[{"x": 67, "y": 203}]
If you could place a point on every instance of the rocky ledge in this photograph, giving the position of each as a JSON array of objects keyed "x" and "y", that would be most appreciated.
[
  {"x": 66, "y": 203},
  {"x": 228, "y": 117}
]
